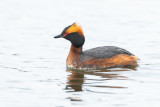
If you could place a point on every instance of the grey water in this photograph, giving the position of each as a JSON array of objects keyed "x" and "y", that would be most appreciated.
[{"x": 32, "y": 63}]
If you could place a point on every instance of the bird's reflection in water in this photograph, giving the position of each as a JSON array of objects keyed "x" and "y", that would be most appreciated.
[{"x": 76, "y": 79}]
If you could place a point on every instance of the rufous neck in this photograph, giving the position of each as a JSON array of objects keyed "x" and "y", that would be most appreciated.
[{"x": 75, "y": 50}]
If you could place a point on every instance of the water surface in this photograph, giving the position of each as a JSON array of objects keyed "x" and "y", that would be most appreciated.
[{"x": 32, "y": 64}]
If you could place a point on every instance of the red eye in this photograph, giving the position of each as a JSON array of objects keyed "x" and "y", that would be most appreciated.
[{"x": 66, "y": 34}]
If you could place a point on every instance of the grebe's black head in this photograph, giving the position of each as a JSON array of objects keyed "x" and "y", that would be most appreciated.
[{"x": 74, "y": 34}]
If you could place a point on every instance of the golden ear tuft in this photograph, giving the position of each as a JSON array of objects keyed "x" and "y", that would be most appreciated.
[
  {"x": 76, "y": 24},
  {"x": 75, "y": 27}
]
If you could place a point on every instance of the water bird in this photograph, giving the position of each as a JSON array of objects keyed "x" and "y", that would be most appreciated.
[{"x": 97, "y": 58}]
